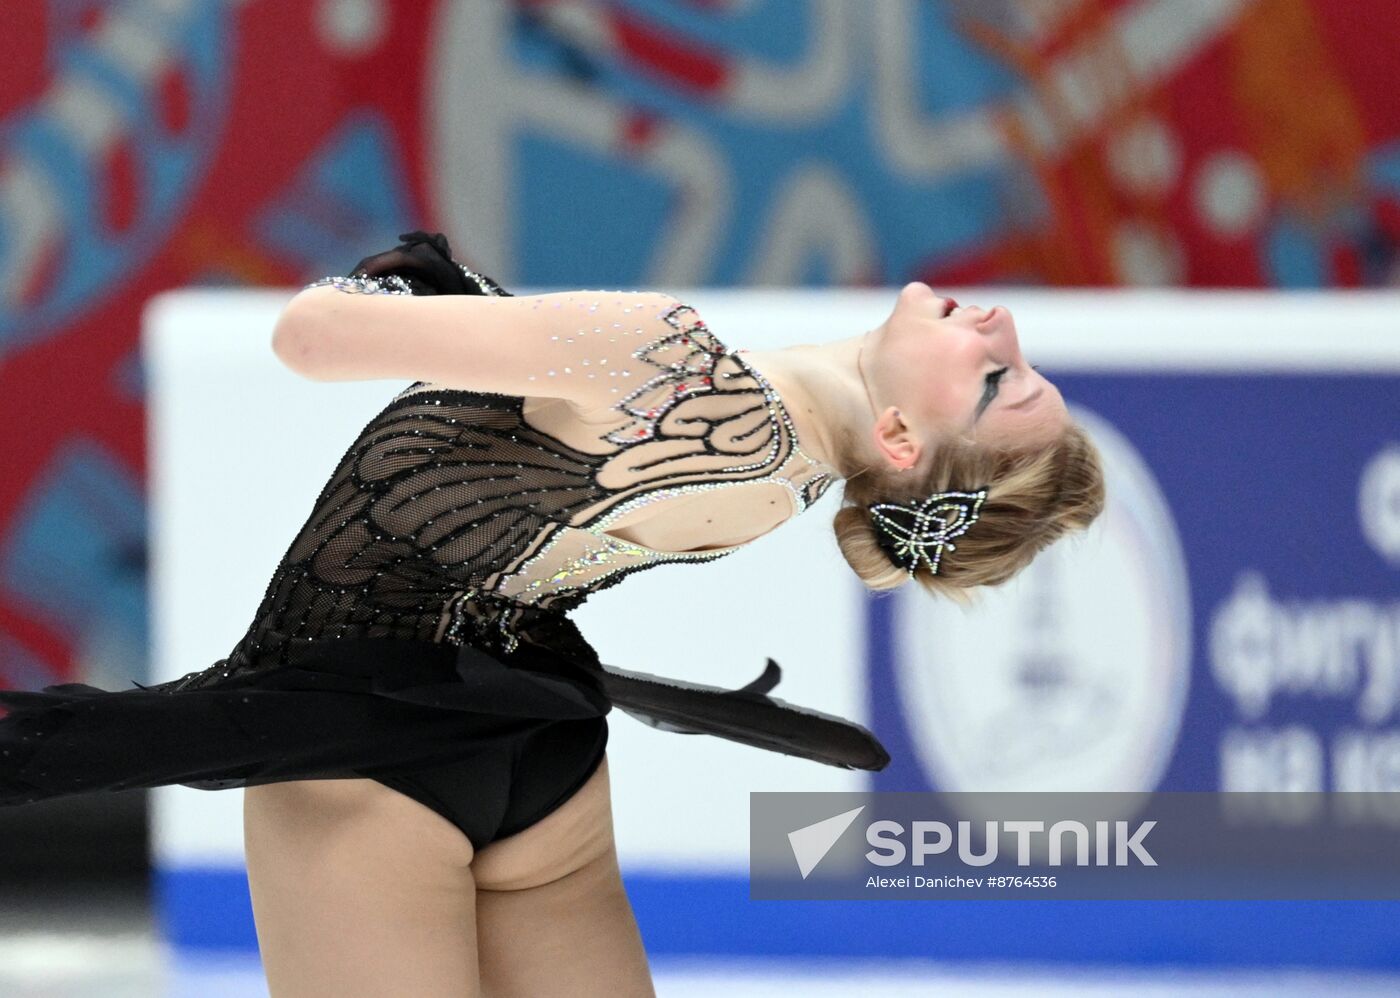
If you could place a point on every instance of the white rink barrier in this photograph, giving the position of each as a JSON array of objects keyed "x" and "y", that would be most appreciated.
[{"x": 1150, "y": 625}]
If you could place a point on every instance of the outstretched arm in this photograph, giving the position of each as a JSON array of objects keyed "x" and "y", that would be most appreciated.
[{"x": 575, "y": 345}]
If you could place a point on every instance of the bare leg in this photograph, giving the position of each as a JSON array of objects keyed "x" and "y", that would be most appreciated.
[
  {"x": 359, "y": 890},
  {"x": 552, "y": 916}
]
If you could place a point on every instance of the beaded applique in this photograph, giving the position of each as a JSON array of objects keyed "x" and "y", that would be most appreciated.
[
  {"x": 568, "y": 567},
  {"x": 488, "y": 287},
  {"x": 393, "y": 284},
  {"x": 389, "y": 284},
  {"x": 685, "y": 362}
]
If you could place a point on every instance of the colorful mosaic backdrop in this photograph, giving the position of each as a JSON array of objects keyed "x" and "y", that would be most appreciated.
[{"x": 151, "y": 144}]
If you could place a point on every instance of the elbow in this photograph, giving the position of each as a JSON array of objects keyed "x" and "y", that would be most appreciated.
[{"x": 293, "y": 340}]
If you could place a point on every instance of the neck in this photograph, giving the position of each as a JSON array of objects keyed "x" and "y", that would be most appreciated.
[{"x": 823, "y": 389}]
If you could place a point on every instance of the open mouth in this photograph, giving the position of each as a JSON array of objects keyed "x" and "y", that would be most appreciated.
[
  {"x": 980, "y": 315},
  {"x": 950, "y": 306}
]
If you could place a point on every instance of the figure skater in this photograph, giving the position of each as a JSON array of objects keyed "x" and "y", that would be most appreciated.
[{"x": 419, "y": 727}]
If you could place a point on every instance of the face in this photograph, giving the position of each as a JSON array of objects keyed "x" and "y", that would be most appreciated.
[{"x": 953, "y": 374}]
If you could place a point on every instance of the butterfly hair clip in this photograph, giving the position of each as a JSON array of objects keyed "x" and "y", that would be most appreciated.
[{"x": 924, "y": 529}]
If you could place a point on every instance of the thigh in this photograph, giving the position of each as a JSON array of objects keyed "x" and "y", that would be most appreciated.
[
  {"x": 552, "y": 915},
  {"x": 359, "y": 890}
]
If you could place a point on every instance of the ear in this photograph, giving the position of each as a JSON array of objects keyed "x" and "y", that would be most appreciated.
[{"x": 896, "y": 440}]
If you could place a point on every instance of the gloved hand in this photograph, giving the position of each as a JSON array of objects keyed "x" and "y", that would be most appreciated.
[{"x": 424, "y": 260}]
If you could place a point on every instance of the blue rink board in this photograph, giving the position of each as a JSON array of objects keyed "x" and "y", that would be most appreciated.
[{"x": 203, "y": 909}]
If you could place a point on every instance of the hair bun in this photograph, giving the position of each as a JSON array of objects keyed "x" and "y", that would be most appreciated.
[{"x": 1041, "y": 494}]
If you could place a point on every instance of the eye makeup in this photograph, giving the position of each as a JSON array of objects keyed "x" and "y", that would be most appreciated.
[{"x": 993, "y": 379}]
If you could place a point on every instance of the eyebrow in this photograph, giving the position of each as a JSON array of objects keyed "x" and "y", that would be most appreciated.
[{"x": 1028, "y": 399}]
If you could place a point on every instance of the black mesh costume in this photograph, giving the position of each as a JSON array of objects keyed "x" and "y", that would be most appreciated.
[{"x": 416, "y": 630}]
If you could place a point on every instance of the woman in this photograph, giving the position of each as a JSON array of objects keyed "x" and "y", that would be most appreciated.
[{"x": 418, "y": 724}]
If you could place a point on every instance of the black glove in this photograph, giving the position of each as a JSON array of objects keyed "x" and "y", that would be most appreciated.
[{"x": 424, "y": 261}]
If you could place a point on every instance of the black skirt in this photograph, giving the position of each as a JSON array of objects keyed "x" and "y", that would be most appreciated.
[{"x": 368, "y": 707}]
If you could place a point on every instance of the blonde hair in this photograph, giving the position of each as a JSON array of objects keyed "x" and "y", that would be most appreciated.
[{"x": 1034, "y": 497}]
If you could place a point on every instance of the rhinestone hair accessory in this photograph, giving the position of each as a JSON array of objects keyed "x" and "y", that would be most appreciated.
[{"x": 909, "y": 532}]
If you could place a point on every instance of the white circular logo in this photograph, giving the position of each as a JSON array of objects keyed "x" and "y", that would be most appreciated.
[
  {"x": 1073, "y": 675},
  {"x": 1378, "y": 503}
]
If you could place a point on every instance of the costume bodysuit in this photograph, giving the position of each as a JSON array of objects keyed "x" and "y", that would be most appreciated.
[{"x": 416, "y": 631}]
